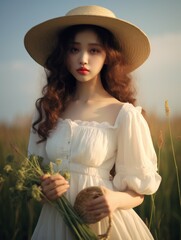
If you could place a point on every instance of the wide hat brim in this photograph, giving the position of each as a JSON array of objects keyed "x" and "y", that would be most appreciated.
[{"x": 41, "y": 39}]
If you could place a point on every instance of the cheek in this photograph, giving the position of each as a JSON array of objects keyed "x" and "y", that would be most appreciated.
[{"x": 99, "y": 64}]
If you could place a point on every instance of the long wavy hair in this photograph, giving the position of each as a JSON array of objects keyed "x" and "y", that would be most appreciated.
[{"x": 61, "y": 85}]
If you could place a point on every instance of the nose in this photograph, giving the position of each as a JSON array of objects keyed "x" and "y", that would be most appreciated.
[{"x": 84, "y": 58}]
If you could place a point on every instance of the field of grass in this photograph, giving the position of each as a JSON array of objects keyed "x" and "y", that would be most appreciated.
[
  {"x": 165, "y": 210},
  {"x": 161, "y": 212}
]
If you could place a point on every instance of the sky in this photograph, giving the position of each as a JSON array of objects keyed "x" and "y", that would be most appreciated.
[{"x": 159, "y": 79}]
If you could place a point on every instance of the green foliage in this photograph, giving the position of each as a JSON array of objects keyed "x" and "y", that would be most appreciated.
[
  {"x": 161, "y": 212},
  {"x": 18, "y": 218}
]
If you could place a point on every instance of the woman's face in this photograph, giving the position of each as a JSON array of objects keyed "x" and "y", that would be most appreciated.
[{"x": 86, "y": 56}]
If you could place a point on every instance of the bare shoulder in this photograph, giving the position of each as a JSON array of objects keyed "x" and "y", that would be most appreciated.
[
  {"x": 110, "y": 109},
  {"x": 113, "y": 102}
]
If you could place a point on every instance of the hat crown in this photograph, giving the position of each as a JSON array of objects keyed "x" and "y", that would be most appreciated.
[{"x": 91, "y": 10}]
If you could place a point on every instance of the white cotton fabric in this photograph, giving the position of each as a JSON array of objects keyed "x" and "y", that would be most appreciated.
[{"x": 89, "y": 150}]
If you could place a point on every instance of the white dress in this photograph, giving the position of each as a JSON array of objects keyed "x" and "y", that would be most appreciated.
[{"x": 89, "y": 150}]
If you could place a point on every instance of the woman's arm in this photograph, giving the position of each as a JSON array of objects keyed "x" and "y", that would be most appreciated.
[{"x": 111, "y": 200}]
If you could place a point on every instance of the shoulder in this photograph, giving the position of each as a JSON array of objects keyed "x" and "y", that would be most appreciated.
[
  {"x": 125, "y": 107},
  {"x": 122, "y": 109},
  {"x": 114, "y": 104},
  {"x": 130, "y": 109},
  {"x": 130, "y": 115}
]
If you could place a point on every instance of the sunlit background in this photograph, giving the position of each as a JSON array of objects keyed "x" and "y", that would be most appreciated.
[{"x": 159, "y": 79}]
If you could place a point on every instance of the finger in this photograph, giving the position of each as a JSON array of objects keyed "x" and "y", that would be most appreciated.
[
  {"x": 54, "y": 176},
  {"x": 96, "y": 201},
  {"x": 93, "y": 218},
  {"x": 96, "y": 210},
  {"x": 99, "y": 211},
  {"x": 56, "y": 180},
  {"x": 43, "y": 177},
  {"x": 97, "y": 204},
  {"x": 57, "y": 192},
  {"x": 50, "y": 184},
  {"x": 54, "y": 185}
]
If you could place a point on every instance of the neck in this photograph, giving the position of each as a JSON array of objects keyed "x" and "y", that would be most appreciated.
[{"x": 90, "y": 90}]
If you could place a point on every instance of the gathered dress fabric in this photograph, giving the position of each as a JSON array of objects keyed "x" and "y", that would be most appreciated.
[{"x": 89, "y": 150}]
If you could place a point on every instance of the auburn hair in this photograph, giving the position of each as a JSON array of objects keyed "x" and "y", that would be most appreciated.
[{"x": 61, "y": 85}]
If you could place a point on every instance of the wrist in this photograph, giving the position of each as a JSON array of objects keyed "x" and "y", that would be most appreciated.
[{"x": 127, "y": 200}]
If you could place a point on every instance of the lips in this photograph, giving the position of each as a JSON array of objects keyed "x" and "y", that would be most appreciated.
[{"x": 83, "y": 70}]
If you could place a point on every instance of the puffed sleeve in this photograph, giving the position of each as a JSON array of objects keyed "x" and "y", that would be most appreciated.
[
  {"x": 136, "y": 162},
  {"x": 34, "y": 147}
]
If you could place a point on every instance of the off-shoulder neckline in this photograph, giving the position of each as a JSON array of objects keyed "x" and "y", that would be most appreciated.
[{"x": 96, "y": 123}]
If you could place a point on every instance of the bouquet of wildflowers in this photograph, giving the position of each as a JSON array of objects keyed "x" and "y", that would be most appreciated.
[{"x": 26, "y": 174}]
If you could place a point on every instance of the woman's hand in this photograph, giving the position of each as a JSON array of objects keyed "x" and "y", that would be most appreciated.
[
  {"x": 101, "y": 206},
  {"x": 53, "y": 186},
  {"x": 105, "y": 205}
]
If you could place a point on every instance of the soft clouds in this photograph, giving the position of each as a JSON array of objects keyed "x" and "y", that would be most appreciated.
[
  {"x": 20, "y": 86},
  {"x": 160, "y": 76},
  {"x": 166, "y": 51}
]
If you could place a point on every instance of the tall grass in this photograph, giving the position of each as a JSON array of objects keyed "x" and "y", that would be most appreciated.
[
  {"x": 161, "y": 212},
  {"x": 17, "y": 221}
]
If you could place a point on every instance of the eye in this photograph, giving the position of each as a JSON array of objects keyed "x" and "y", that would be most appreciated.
[
  {"x": 94, "y": 50},
  {"x": 73, "y": 50}
]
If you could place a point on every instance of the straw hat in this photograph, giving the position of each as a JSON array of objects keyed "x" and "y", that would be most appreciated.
[{"x": 41, "y": 39}]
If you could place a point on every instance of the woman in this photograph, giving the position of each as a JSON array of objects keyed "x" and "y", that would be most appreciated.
[{"x": 87, "y": 119}]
